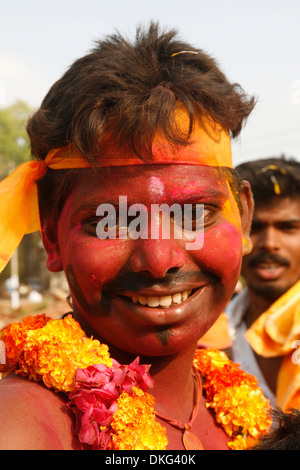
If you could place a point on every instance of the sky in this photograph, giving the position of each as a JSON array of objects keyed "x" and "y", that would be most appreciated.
[{"x": 255, "y": 42}]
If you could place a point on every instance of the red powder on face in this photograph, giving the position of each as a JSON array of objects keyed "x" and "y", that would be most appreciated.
[
  {"x": 93, "y": 279},
  {"x": 95, "y": 266}
]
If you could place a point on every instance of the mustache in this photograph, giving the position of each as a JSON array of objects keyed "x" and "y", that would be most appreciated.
[
  {"x": 267, "y": 258},
  {"x": 136, "y": 281}
]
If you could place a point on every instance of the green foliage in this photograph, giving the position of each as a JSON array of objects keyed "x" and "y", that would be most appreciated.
[{"x": 14, "y": 147}]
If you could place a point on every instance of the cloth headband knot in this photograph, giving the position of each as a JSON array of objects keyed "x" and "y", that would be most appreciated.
[{"x": 19, "y": 213}]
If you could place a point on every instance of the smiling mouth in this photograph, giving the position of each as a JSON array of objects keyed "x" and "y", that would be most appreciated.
[
  {"x": 269, "y": 271},
  {"x": 165, "y": 301},
  {"x": 269, "y": 267}
]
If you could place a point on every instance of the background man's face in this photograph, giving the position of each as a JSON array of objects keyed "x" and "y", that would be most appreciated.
[{"x": 273, "y": 266}]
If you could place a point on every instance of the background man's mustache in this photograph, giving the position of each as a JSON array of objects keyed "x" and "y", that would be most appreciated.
[{"x": 267, "y": 258}]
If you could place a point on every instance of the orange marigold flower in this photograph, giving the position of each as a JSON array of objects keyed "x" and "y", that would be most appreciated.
[
  {"x": 239, "y": 443},
  {"x": 134, "y": 426},
  {"x": 14, "y": 337},
  {"x": 220, "y": 372}
]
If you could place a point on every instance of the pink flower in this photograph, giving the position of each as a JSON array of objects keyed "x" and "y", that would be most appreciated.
[
  {"x": 94, "y": 399},
  {"x": 88, "y": 428},
  {"x": 94, "y": 376},
  {"x": 136, "y": 376},
  {"x": 83, "y": 399}
]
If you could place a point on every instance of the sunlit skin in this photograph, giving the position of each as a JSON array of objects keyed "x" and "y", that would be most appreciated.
[{"x": 104, "y": 276}]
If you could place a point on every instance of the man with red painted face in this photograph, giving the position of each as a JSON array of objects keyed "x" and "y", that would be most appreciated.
[
  {"x": 146, "y": 123},
  {"x": 267, "y": 310}
]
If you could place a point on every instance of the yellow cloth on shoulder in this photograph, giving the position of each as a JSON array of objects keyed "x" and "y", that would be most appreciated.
[
  {"x": 276, "y": 333},
  {"x": 217, "y": 337}
]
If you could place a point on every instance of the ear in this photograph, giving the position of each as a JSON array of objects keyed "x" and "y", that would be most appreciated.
[
  {"x": 247, "y": 206},
  {"x": 49, "y": 237}
]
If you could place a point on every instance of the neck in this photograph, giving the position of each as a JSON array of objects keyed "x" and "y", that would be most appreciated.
[
  {"x": 174, "y": 386},
  {"x": 258, "y": 305}
]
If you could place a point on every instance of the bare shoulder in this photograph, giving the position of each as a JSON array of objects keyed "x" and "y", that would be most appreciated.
[{"x": 33, "y": 417}]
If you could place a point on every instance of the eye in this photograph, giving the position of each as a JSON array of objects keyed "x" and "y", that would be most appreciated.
[
  {"x": 198, "y": 216},
  {"x": 256, "y": 227},
  {"x": 90, "y": 225},
  {"x": 194, "y": 217},
  {"x": 103, "y": 227},
  {"x": 108, "y": 226},
  {"x": 289, "y": 227}
]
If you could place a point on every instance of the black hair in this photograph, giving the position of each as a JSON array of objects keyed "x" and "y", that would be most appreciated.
[
  {"x": 272, "y": 178},
  {"x": 284, "y": 433},
  {"x": 127, "y": 91}
]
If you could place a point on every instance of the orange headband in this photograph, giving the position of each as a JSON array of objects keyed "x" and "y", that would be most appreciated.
[
  {"x": 209, "y": 146},
  {"x": 19, "y": 213}
]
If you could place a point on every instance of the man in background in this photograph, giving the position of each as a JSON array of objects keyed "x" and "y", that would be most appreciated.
[{"x": 265, "y": 317}]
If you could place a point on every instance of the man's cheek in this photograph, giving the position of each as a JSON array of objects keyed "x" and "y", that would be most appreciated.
[
  {"x": 221, "y": 252},
  {"x": 94, "y": 264}
]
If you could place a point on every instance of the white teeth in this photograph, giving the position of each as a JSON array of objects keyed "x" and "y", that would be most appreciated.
[
  {"x": 177, "y": 298},
  {"x": 142, "y": 300},
  {"x": 184, "y": 295},
  {"x": 165, "y": 301},
  {"x": 269, "y": 266},
  {"x": 153, "y": 301}
]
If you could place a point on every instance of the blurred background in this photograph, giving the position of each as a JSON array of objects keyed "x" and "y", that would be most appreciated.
[{"x": 257, "y": 44}]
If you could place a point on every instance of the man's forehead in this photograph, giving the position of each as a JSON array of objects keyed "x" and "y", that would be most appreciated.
[
  {"x": 280, "y": 208},
  {"x": 161, "y": 184},
  {"x": 157, "y": 180},
  {"x": 156, "y": 186}
]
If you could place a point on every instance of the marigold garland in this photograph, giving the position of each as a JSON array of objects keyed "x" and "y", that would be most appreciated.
[
  {"x": 238, "y": 402},
  {"x": 51, "y": 350},
  {"x": 109, "y": 400}
]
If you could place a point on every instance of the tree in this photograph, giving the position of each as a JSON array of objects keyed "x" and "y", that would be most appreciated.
[{"x": 14, "y": 148}]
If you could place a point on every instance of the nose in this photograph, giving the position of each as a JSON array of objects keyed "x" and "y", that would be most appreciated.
[
  {"x": 157, "y": 257},
  {"x": 269, "y": 239}
]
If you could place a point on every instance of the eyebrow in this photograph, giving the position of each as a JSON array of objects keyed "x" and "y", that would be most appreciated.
[
  {"x": 92, "y": 205},
  {"x": 281, "y": 222},
  {"x": 208, "y": 194}
]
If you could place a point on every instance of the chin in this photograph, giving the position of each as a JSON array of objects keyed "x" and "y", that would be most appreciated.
[
  {"x": 160, "y": 342},
  {"x": 270, "y": 292}
]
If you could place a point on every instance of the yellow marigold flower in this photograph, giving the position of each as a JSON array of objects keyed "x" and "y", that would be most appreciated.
[
  {"x": 134, "y": 426},
  {"x": 218, "y": 358},
  {"x": 242, "y": 410},
  {"x": 239, "y": 443},
  {"x": 54, "y": 353}
]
